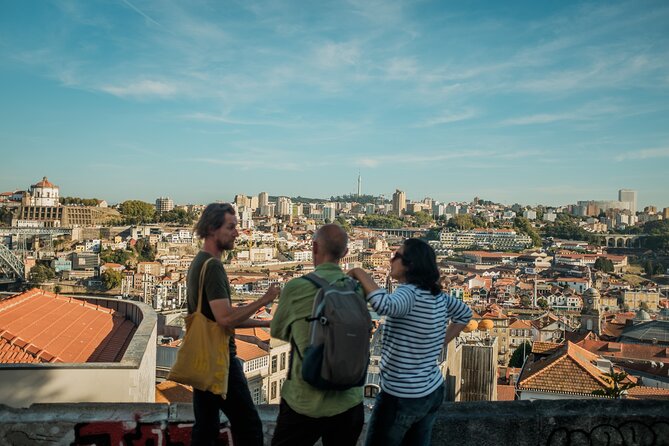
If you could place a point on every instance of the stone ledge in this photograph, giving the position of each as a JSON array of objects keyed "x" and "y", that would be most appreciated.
[{"x": 546, "y": 422}]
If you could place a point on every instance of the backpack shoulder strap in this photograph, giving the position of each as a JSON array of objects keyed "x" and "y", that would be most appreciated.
[{"x": 316, "y": 280}]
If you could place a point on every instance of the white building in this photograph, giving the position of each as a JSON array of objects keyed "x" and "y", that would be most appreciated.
[
  {"x": 164, "y": 204},
  {"x": 44, "y": 193}
]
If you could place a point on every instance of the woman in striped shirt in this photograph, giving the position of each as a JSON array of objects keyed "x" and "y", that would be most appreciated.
[{"x": 417, "y": 317}]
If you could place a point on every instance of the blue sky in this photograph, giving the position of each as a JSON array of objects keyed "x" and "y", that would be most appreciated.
[{"x": 531, "y": 102}]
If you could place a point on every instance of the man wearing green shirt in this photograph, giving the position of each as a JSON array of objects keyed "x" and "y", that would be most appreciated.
[{"x": 307, "y": 413}]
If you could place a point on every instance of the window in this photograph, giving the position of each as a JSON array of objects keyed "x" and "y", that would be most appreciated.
[
  {"x": 256, "y": 395},
  {"x": 272, "y": 391},
  {"x": 274, "y": 361},
  {"x": 283, "y": 361}
]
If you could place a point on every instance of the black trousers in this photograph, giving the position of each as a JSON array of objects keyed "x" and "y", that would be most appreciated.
[
  {"x": 294, "y": 429},
  {"x": 238, "y": 407}
]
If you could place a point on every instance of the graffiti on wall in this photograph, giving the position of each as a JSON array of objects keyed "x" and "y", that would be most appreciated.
[
  {"x": 126, "y": 433},
  {"x": 631, "y": 433}
]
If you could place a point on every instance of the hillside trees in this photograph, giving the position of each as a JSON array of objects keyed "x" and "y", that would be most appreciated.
[{"x": 137, "y": 212}]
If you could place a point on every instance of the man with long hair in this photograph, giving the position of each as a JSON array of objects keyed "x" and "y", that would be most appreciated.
[{"x": 217, "y": 228}]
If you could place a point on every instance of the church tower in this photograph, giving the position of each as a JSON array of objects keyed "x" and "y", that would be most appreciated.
[{"x": 590, "y": 314}]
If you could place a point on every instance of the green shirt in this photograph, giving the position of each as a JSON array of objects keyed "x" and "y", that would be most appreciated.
[{"x": 295, "y": 304}]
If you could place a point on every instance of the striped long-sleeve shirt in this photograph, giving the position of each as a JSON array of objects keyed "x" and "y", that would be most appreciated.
[{"x": 413, "y": 336}]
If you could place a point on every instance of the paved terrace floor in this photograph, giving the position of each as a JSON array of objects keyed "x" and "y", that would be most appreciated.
[{"x": 518, "y": 423}]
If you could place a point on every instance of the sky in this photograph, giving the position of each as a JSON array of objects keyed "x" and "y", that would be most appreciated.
[{"x": 531, "y": 102}]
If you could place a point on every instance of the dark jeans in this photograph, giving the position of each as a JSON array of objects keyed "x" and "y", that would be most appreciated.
[
  {"x": 403, "y": 421},
  {"x": 238, "y": 407},
  {"x": 294, "y": 429}
]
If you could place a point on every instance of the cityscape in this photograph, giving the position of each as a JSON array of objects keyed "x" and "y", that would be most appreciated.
[
  {"x": 525, "y": 144},
  {"x": 585, "y": 285}
]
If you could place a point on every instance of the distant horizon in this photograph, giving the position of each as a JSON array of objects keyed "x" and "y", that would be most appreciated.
[
  {"x": 529, "y": 102},
  {"x": 387, "y": 196}
]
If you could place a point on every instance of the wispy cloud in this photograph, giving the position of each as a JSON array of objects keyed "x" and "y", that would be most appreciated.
[
  {"x": 142, "y": 89},
  {"x": 142, "y": 13},
  {"x": 476, "y": 156},
  {"x": 447, "y": 118},
  {"x": 644, "y": 154},
  {"x": 225, "y": 119},
  {"x": 248, "y": 163}
]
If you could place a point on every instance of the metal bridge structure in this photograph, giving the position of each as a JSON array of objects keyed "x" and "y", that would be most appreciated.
[
  {"x": 23, "y": 234},
  {"x": 10, "y": 263}
]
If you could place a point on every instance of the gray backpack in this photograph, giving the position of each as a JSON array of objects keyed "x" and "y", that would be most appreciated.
[{"x": 339, "y": 335}]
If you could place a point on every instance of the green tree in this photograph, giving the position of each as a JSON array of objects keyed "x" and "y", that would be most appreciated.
[
  {"x": 423, "y": 218},
  {"x": 461, "y": 222},
  {"x": 41, "y": 273},
  {"x": 543, "y": 303},
  {"x": 57, "y": 289},
  {"x": 523, "y": 225},
  {"x": 111, "y": 279},
  {"x": 604, "y": 264},
  {"x": 76, "y": 201},
  {"x": 120, "y": 256},
  {"x": 617, "y": 385},
  {"x": 345, "y": 225},
  {"x": 649, "y": 267},
  {"x": 526, "y": 301},
  {"x": 145, "y": 251},
  {"x": 519, "y": 354},
  {"x": 178, "y": 216},
  {"x": 5, "y": 215},
  {"x": 137, "y": 212},
  {"x": 379, "y": 221}
]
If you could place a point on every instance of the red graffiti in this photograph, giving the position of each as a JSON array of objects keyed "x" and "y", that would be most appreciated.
[{"x": 126, "y": 433}]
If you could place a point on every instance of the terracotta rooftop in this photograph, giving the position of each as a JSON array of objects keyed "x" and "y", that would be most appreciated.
[
  {"x": 257, "y": 332},
  {"x": 569, "y": 370},
  {"x": 520, "y": 324},
  {"x": 505, "y": 392},
  {"x": 172, "y": 392},
  {"x": 627, "y": 350},
  {"x": 542, "y": 348},
  {"x": 247, "y": 351},
  {"x": 38, "y": 326},
  {"x": 45, "y": 183}
]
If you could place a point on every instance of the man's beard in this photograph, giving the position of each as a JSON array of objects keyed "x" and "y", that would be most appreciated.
[{"x": 225, "y": 246}]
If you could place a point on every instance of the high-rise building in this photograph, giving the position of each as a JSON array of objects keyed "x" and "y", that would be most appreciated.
[
  {"x": 399, "y": 202},
  {"x": 630, "y": 197},
  {"x": 329, "y": 212},
  {"x": 665, "y": 213},
  {"x": 359, "y": 185},
  {"x": 164, "y": 204},
  {"x": 263, "y": 199},
  {"x": 284, "y": 206},
  {"x": 242, "y": 201}
]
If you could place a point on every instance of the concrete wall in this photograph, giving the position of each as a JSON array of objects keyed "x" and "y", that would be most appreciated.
[
  {"x": 130, "y": 380},
  {"x": 551, "y": 423}
]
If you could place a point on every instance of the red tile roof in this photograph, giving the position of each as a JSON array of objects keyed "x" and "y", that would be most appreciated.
[
  {"x": 257, "y": 332},
  {"x": 247, "y": 351},
  {"x": 569, "y": 370},
  {"x": 505, "y": 393},
  {"x": 38, "y": 326},
  {"x": 172, "y": 392}
]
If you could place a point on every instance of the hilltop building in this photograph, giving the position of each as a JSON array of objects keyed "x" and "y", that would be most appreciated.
[{"x": 164, "y": 204}]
